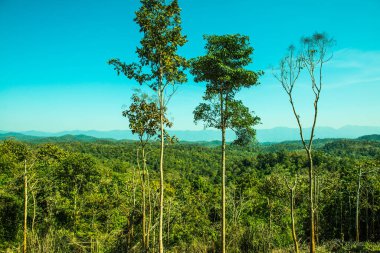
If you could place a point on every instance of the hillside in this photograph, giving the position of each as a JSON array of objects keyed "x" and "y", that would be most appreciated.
[
  {"x": 372, "y": 137},
  {"x": 278, "y": 134},
  {"x": 327, "y": 144}
]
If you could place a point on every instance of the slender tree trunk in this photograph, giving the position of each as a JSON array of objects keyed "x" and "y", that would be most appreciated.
[
  {"x": 270, "y": 224},
  {"x": 154, "y": 241},
  {"x": 311, "y": 167},
  {"x": 316, "y": 189},
  {"x": 168, "y": 232},
  {"x": 311, "y": 196},
  {"x": 134, "y": 187},
  {"x": 161, "y": 242},
  {"x": 132, "y": 217},
  {"x": 75, "y": 212},
  {"x": 25, "y": 208},
  {"x": 373, "y": 215},
  {"x": 336, "y": 235},
  {"x": 223, "y": 127},
  {"x": 93, "y": 245},
  {"x": 150, "y": 213},
  {"x": 34, "y": 210},
  {"x": 294, "y": 235},
  {"x": 341, "y": 219},
  {"x": 223, "y": 190},
  {"x": 349, "y": 217},
  {"x": 143, "y": 201},
  {"x": 367, "y": 217},
  {"x": 357, "y": 205}
]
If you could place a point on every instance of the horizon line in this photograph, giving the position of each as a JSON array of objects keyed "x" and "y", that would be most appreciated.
[{"x": 192, "y": 130}]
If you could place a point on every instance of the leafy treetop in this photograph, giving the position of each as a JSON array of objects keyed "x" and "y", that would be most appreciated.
[
  {"x": 144, "y": 118},
  {"x": 222, "y": 68},
  {"x": 159, "y": 63}
]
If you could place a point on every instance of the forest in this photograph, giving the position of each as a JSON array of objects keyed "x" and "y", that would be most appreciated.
[
  {"x": 158, "y": 194},
  {"x": 87, "y": 196}
]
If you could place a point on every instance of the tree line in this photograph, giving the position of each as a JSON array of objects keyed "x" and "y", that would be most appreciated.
[{"x": 94, "y": 197}]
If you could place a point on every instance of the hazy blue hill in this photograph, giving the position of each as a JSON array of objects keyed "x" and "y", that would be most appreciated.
[
  {"x": 353, "y": 147},
  {"x": 332, "y": 145},
  {"x": 64, "y": 138},
  {"x": 204, "y": 143},
  {"x": 70, "y": 138},
  {"x": 183, "y": 135},
  {"x": 113, "y": 134},
  {"x": 372, "y": 137},
  {"x": 278, "y": 134},
  {"x": 18, "y": 136},
  {"x": 295, "y": 145}
]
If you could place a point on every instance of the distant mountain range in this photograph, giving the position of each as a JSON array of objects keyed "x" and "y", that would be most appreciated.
[
  {"x": 277, "y": 134},
  {"x": 280, "y": 134}
]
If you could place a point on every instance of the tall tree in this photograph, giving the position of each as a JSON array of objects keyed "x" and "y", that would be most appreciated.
[
  {"x": 312, "y": 57},
  {"x": 160, "y": 67},
  {"x": 144, "y": 121},
  {"x": 223, "y": 70}
]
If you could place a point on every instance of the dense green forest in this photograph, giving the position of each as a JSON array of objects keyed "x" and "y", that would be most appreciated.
[{"x": 86, "y": 196}]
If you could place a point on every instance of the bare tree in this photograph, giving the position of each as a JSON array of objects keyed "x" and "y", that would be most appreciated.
[{"x": 312, "y": 57}]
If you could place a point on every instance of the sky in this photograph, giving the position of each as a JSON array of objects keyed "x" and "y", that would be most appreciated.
[{"x": 54, "y": 74}]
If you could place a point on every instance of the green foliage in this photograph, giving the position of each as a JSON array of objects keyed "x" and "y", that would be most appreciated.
[
  {"x": 159, "y": 63},
  {"x": 372, "y": 137},
  {"x": 222, "y": 68},
  {"x": 16, "y": 149},
  {"x": 84, "y": 197},
  {"x": 76, "y": 171},
  {"x": 10, "y": 217},
  {"x": 223, "y": 65},
  {"x": 144, "y": 119}
]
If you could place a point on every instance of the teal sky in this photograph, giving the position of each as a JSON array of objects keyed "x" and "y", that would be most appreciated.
[{"x": 54, "y": 76}]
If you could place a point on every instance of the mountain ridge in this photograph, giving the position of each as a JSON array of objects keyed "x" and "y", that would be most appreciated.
[{"x": 277, "y": 134}]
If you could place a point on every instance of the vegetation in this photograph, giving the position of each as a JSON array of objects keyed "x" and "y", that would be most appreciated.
[
  {"x": 82, "y": 194},
  {"x": 86, "y": 197}
]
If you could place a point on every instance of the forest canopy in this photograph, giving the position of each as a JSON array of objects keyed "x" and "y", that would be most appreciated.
[{"x": 83, "y": 196}]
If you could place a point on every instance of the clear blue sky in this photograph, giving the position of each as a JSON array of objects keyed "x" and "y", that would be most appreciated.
[{"x": 54, "y": 76}]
